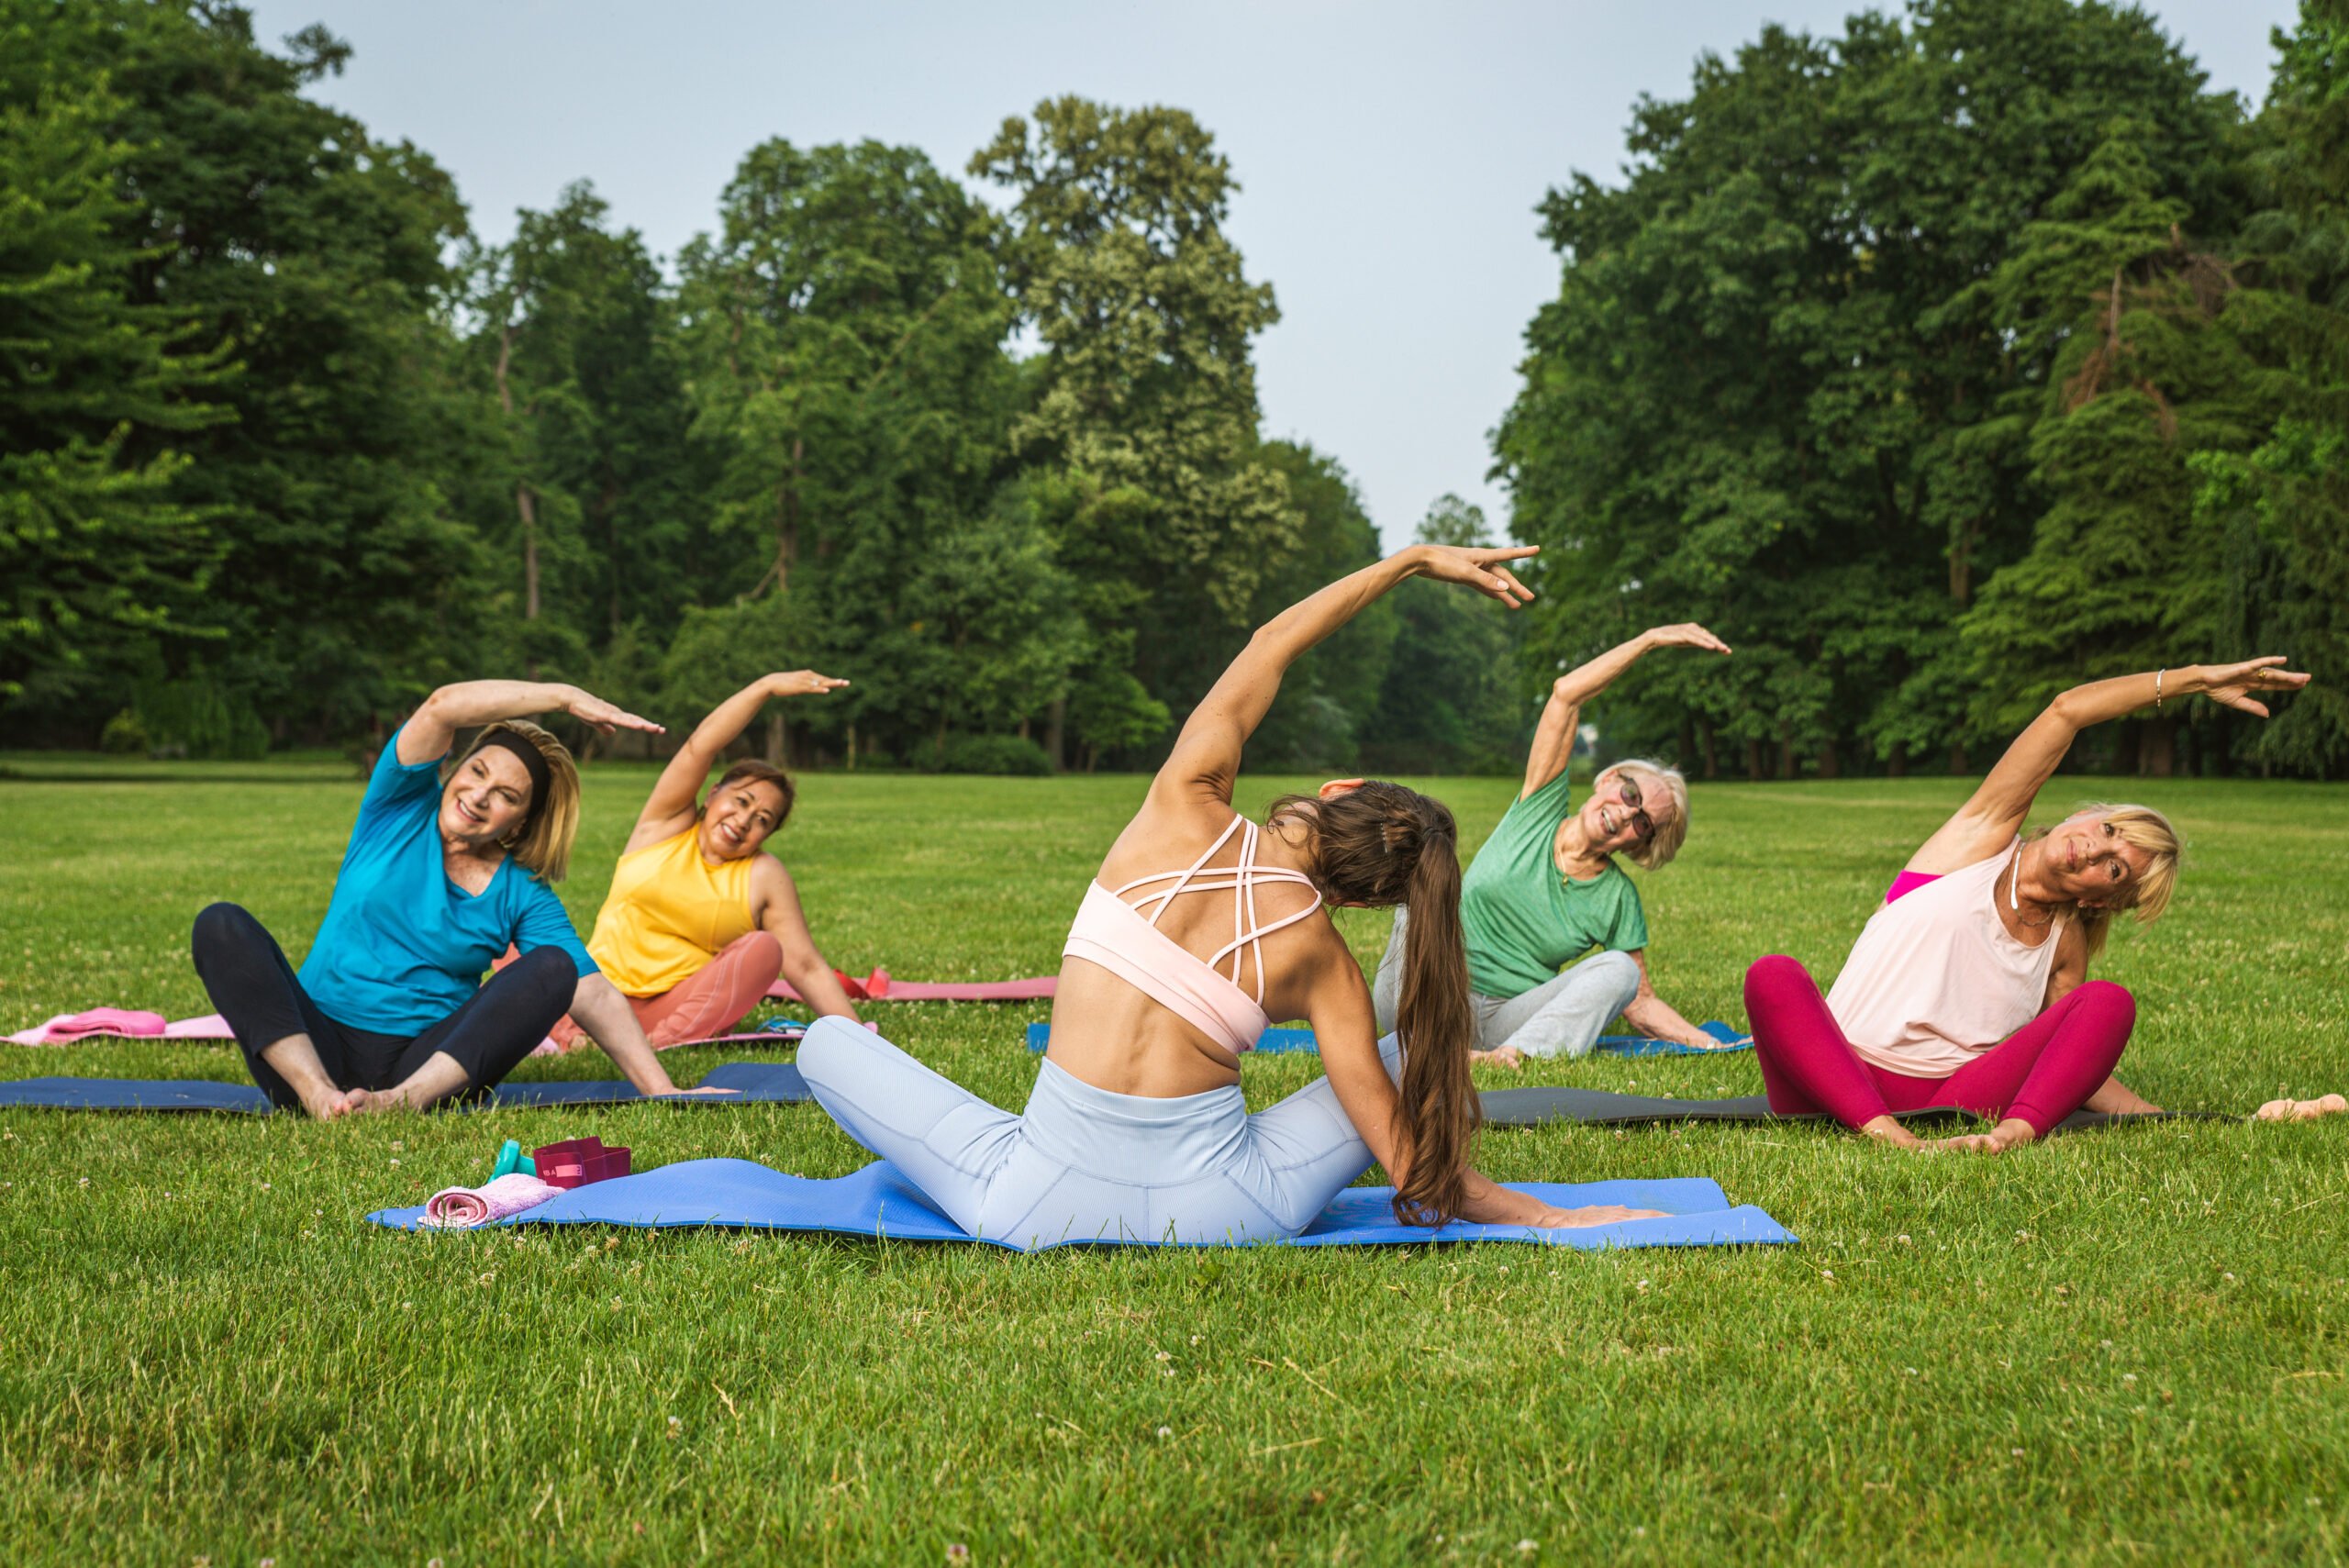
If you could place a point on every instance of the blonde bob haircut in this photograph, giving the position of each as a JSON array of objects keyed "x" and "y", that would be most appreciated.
[
  {"x": 1663, "y": 796},
  {"x": 2149, "y": 831},
  {"x": 543, "y": 844}
]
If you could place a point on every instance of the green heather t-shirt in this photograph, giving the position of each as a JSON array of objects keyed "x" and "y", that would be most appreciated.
[{"x": 1524, "y": 920}]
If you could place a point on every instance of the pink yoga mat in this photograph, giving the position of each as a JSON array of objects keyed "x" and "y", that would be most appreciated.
[
  {"x": 880, "y": 986},
  {"x": 462, "y": 1208},
  {"x": 120, "y": 1023}
]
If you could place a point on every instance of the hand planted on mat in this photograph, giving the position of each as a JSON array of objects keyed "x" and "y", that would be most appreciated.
[
  {"x": 1735, "y": 1042},
  {"x": 1687, "y": 635},
  {"x": 1594, "y": 1214},
  {"x": 2233, "y": 683},
  {"x": 704, "y": 1090},
  {"x": 588, "y": 708},
  {"x": 2302, "y": 1110},
  {"x": 1479, "y": 569},
  {"x": 1506, "y": 1056},
  {"x": 801, "y": 684}
]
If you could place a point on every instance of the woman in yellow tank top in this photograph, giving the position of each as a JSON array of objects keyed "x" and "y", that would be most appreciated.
[{"x": 699, "y": 922}]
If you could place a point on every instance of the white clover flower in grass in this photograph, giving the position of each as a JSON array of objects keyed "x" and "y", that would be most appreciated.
[{"x": 1165, "y": 1433}]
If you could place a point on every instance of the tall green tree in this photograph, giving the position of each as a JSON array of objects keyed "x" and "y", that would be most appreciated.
[
  {"x": 581, "y": 357},
  {"x": 316, "y": 254},
  {"x": 2119, "y": 575},
  {"x": 1145, "y": 396},
  {"x": 1450, "y": 698},
  {"x": 2284, "y": 506},
  {"x": 845, "y": 329},
  {"x": 99, "y": 558},
  {"x": 1773, "y": 394}
]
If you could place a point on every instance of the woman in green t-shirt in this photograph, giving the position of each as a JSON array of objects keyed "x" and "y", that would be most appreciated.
[{"x": 1545, "y": 889}]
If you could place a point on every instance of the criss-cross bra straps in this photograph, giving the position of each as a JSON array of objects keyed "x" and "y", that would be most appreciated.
[{"x": 1242, "y": 880}]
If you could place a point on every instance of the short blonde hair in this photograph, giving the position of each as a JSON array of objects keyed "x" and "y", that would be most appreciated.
[
  {"x": 552, "y": 824},
  {"x": 1660, "y": 787},
  {"x": 2147, "y": 829}
]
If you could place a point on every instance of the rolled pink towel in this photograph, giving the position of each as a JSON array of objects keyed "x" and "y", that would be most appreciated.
[{"x": 462, "y": 1208}]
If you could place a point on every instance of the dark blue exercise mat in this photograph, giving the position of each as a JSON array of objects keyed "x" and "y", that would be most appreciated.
[
  {"x": 878, "y": 1202},
  {"x": 754, "y": 1082},
  {"x": 1537, "y": 1106},
  {"x": 1285, "y": 1040}
]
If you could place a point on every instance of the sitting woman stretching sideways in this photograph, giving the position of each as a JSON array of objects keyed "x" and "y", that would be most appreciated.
[
  {"x": 1545, "y": 889},
  {"x": 1969, "y": 986},
  {"x": 389, "y": 1008},
  {"x": 699, "y": 921},
  {"x": 1201, "y": 926}
]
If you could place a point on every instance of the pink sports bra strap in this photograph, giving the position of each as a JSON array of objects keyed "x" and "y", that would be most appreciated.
[{"x": 1241, "y": 881}]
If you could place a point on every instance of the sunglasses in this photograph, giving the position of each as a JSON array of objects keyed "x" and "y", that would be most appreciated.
[{"x": 1628, "y": 794}]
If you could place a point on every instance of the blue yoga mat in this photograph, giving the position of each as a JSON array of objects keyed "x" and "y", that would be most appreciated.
[
  {"x": 879, "y": 1202},
  {"x": 754, "y": 1082},
  {"x": 1279, "y": 1040}
]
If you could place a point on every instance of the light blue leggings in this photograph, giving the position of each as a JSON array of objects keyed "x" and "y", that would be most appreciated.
[{"x": 1084, "y": 1163}]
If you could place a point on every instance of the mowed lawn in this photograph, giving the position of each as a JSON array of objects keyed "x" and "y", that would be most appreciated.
[{"x": 2123, "y": 1346}]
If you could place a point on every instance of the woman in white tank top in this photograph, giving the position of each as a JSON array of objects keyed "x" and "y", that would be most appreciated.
[{"x": 1969, "y": 986}]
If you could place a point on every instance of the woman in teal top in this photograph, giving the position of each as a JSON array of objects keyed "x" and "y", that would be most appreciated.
[
  {"x": 389, "y": 1008},
  {"x": 1544, "y": 889}
]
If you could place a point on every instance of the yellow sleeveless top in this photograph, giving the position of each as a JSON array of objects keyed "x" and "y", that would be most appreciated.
[{"x": 668, "y": 914}]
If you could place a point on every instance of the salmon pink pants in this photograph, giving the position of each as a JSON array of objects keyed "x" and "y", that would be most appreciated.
[
  {"x": 721, "y": 996},
  {"x": 2041, "y": 1074}
]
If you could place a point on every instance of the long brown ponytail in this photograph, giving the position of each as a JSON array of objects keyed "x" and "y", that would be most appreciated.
[{"x": 1381, "y": 845}]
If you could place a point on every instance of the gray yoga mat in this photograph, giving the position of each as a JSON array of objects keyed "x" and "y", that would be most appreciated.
[{"x": 1536, "y": 1106}]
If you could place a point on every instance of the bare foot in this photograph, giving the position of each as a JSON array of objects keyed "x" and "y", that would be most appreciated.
[
  {"x": 1506, "y": 1056},
  {"x": 1966, "y": 1143},
  {"x": 1885, "y": 1130},
  {"x": 335, "y": 1103},
  {"x": 2007, "y": 1135},
  {"x": 2302, "y": 1110}
]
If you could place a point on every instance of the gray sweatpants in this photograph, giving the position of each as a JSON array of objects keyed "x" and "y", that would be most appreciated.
[{"x": 1558, "y": 1018}]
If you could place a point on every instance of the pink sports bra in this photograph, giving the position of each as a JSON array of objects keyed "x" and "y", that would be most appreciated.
[{"x": 1114, "y": 934}]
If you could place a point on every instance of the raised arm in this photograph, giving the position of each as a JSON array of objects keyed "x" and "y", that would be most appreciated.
[
  {"x": 1553, "y": 735},
  {"x": 680, "y": 783},
  {"x": 1206, "y": 758},
  {"x": 1997, "y": 811},
  {"x": 467, "y": 704}
]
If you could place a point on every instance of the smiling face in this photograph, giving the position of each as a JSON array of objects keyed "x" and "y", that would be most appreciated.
[
  {"x": 1619, "y": 816},
  {"x": 737, "y": 817},
  {"x": 487, "y": 799},
  {"x": 2086, "y": 859}
]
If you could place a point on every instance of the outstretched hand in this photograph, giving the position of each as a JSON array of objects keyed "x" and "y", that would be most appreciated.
[
  {"x": 1686, "y": 635},
  {"x": 2233, "y": 683},
  {"x": 1480, "y": 569},
  {"x": 801, "y": 684},
  {"x": 606, "y": 717}
]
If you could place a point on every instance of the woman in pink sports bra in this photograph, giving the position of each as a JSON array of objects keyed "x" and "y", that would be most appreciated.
[
  {"x": 1200, "y": 928},
  {"x": 1969, "y": 986}
]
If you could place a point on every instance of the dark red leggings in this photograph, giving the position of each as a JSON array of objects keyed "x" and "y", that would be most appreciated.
[{"x": 2041, "y": 1073}]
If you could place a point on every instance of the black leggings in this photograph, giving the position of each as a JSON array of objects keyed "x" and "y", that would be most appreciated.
[{"x": 256, "y": 990}]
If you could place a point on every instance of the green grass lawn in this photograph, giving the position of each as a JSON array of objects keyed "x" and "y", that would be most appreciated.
[{"x": 2126, "y": 1345}]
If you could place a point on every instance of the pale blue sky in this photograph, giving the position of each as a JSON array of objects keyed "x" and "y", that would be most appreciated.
[{"x": 1389, "y": 155}]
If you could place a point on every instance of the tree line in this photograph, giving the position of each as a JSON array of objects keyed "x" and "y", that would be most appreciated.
[
  {"x": 1938, "y": 365},
  {"x": 284, "y": 443},
  {"x": 1943, "y": 364}
]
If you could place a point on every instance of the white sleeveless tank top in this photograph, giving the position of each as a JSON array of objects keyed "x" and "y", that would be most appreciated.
[{"x": 1934, "y": 979}]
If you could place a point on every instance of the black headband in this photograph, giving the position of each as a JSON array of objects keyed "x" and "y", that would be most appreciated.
[{"x": 533, "y": 763}]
